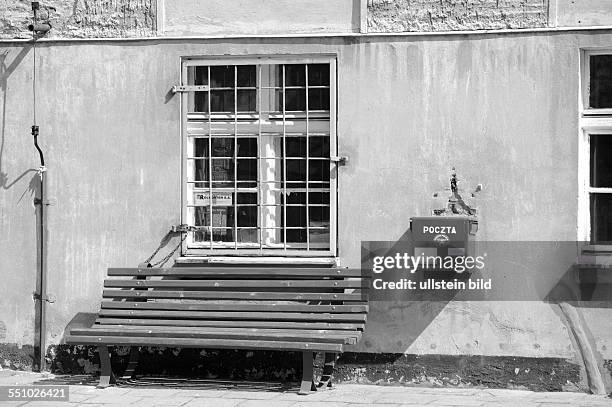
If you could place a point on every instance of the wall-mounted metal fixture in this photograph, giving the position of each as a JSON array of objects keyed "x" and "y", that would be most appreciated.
[
  {"x": 456, "y": 204},
  {"x": 39, "y": 26}
]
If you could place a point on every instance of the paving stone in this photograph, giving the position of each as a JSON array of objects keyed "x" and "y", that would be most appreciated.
[
  {"x": 115, "y": 399},
  {"x": 212, "y": 402},
  {"x": 154, "y": 392},
  {"x": 162, "y": 402},
  {"x": 248, "y": 395},
  {"x": 266, "y": 403}
]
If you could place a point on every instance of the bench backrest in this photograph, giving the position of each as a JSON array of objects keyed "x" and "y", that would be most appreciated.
[{"x": 255, "y": 297}]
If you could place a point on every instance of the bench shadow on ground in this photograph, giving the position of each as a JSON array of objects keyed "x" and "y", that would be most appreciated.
[{"x": 166, "y": 382}]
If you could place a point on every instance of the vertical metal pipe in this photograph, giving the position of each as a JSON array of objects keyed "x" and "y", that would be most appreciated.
[
  {"x": 40, "y": 295},
  {"x": 41, "y": 289}
]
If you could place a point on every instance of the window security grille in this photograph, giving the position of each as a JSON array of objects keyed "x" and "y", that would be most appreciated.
[
  {"x": 596, "y": 150},
  {"x": 259, "y": 142}
]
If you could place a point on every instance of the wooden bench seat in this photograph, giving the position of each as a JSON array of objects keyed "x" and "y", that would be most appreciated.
[{"x": 295, "y": 309}]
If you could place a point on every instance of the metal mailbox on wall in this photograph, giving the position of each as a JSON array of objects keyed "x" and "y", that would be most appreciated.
[{"x": 443, "y": 236}]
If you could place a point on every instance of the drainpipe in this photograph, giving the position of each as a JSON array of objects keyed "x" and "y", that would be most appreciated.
[
  {"x": 39, "y": 29},
  {"x": 40, "y": 295}
]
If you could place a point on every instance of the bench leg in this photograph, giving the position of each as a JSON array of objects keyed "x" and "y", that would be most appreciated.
[
  {"x": 307, "y": 385},
  {"x": 328, "y": 370},
  {"x": 132, "y": 364},
  {"x": 106, "y": 374}
]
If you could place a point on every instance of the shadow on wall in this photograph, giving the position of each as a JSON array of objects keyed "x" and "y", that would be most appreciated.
[
  {"x": 6, "y": 69},
  {"x": 408, "y": 315}
]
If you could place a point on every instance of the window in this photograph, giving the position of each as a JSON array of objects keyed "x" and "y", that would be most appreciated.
[
  {"x": 596, "y": 148},
  {"x": 259, "y": 136}
]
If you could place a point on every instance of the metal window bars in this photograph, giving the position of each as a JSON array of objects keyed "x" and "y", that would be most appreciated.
[{"x": 284, "y": 223}]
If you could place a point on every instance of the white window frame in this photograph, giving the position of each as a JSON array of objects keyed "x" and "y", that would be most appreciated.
[
  {"x": 190, "y": 251},
  {"x": 591, "y": 122}
]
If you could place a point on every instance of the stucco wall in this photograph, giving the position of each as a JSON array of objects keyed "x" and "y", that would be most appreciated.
[
  {"x": 499, "y": 108},
  {"x": 81, "y": 18},
  {"x": 571, "y": 13},
  {"x": 260, "y": 17},
  {"x": 446, "y": 15}
]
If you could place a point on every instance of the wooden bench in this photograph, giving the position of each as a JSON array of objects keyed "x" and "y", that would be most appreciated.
[{"x": 293, "y": 309}]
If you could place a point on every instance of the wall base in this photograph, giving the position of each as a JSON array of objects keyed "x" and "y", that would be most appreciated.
[{"x": 536, "y": 374}]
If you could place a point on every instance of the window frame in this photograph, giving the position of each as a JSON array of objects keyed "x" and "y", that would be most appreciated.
[
  {"x": 191, "y": 61},
  {"x": 591, "y": 122}
]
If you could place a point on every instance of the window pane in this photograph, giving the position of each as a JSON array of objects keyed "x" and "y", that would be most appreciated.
[
  {"x": 248, "y": 236},
  {"x": 247, "y": 198},
  {"x": 319, "y": 216},
  {"x": 222, "y": 170},
  {"x": 222, "y": 217},
  {"x": 601, "y": 160},
  {"x": 296, "y": 100},
  {"x": 296, "y": 146},
  {"x": 318, "y": 75},
  {"x": 200, "y": 75},
  {"x": 223, "y": 235},
  {"x": 296, "y": 198},
  {"x": 296, "y": 216},
  {"x": 247, "y": 170},
  {"x": 600, "y": 86},
  {"x": 221, "y": 101},
  {"x": 319, "y": 236},
  {"x": 200, "y": 102},
  {"x": 318, "y": 198},
  {"x": 296, "y": 235},
  {"x": 247, "y": 216},
  {"x": 247, "y": 147},
  {"x": 201, "y": 170},
  {"x": 247, "y": 100},
  {"x": 296, "y": 170},
  {"x": 318, "y": 170},
  {"x": 247, "y": 76},
  {"x": 201, "y": 147},
  {"x": 222, "y": 76},
  {"x": 318, "y": 99},
  {"x": 318, "y": 146},
  {"x": 295, "y": 75},
  {"x": 222, "y": 147},
  {"x": 601, "y": 218}
]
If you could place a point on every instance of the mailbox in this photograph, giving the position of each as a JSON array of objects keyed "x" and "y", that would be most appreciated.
[{"x": 443, "y": 236}]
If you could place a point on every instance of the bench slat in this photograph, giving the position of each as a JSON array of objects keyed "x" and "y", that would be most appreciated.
[
  {"x": 266, "y": 272},
  {"x": 336, "y": 309},
  {"x": 238, "y": 315},
  {"x": 232, "y": 295},
  {"x": 246, "y": 284},
  {"x": 339, "y": 332},
  {"x": 204, "y": 343},
  {"x": 247, "y": 324},
  {"x": 285, "y": 335}
]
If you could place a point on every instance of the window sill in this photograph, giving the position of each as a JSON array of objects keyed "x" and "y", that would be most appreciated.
[{"x": 307, "y": 261}]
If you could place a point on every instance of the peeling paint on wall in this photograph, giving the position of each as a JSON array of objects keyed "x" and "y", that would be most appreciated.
[{"x": 453, "y": 15}]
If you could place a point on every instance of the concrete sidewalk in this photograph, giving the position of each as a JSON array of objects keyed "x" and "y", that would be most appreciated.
[{"x": 185, "y": 393}]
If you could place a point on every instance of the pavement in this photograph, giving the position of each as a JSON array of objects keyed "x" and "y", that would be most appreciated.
[{"x": 170, "y": 392}]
